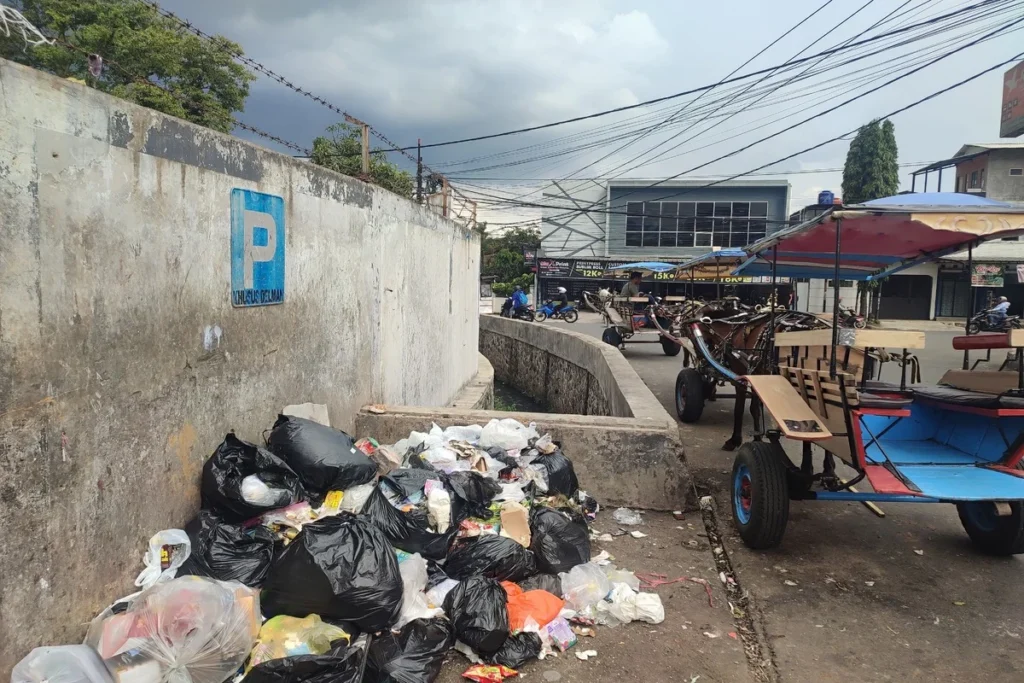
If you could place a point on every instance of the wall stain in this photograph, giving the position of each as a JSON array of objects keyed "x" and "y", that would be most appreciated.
[{"x": 181, "y": 443}]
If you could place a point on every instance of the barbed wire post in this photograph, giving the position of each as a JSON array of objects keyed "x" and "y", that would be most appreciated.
[
  {"x": 365, "y": 127},
  {"x": 419, "y": 170}
]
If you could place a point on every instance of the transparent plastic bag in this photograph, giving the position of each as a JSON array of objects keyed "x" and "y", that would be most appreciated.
[
  {"x": 177, "y": 546},
  {"x": 414, "y": 581},
  {"x": 470, "y": 433},
  {"x": 62, "y": 664},
  {"x": 627, "y": 517},
  {"x": 285, "y": 636},
  {"x": 187, "y": 630},
  {"x": 507, "y": 434},
  {"x": 622, "y": 576},
  {"x": 584, "y": 586},
  {"x": 355, "y": 497},
  {"x": 255, "y": 492}
]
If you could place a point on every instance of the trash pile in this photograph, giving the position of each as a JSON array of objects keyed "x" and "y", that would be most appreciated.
[{"x": 319, "y": 558}]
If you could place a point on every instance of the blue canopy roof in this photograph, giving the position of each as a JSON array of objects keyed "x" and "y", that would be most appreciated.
[
  {"x": 649, "y": 266},
  {"x": 938, "y": 200}
]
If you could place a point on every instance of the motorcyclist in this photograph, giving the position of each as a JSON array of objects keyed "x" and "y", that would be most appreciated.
[
  {"x": 519, "y": 299},
  {"x": 562, "y": 301},
  {"x": 997, "y": 314}
]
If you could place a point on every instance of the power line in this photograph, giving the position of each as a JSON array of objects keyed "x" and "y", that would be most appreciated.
[{"x": 704, "y": 87}]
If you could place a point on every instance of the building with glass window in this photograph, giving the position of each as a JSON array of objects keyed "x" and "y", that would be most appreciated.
[{"x": 589, "y": 224}]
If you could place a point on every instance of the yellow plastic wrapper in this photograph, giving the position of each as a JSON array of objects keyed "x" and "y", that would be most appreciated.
[{"x": 285, "y": 636}]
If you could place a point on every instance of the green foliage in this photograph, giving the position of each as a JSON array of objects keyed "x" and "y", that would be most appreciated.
[
  {"x": 872, "y": 169},
  {"x": 341, "y": 150},
  {"x": 502, "y": 256},
  {"x": 506, "y": 265},
  {"x": 506, "y": 288},
  {"x": 206, "y": 86}
]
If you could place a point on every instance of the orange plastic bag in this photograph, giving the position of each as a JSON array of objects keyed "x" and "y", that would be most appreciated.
[{"x": 541, "y": 606}]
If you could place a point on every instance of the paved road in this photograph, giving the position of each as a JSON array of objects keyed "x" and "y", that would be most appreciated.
[{"x": 900, "y": 598}]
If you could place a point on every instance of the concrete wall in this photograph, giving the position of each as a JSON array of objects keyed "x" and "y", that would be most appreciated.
[
  {"x": 999, "y": 184},
  {"x": 626, "y": 450},
  {"x": 122, "y": 360}
]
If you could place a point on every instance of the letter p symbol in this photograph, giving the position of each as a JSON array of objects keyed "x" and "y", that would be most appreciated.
[{"x": 257, "y": 224}]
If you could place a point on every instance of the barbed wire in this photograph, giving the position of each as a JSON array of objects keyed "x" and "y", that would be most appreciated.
[{"x": 60, "y": 40}]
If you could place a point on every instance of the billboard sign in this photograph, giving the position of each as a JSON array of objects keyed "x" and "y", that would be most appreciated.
[{"x": 1011, "y": 120}]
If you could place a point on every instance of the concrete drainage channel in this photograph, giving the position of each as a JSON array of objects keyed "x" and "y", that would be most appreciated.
[{"x": 756, "y": 647}]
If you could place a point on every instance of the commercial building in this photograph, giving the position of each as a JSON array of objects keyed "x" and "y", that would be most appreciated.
[{"x": 595, "y": 224}]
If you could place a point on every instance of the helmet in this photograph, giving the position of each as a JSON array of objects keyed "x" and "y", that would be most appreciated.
[
  {"x": 1002, "y": 298},
  {"x": 518, "y": 288},
  {"x": 561, "y": 290}
]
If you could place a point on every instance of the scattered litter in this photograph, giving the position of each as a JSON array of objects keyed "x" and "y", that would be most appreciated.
[
  {"x": 959, "y": 603},
  {"x": 788, "y": 582},
  {"x": 586, "y": 654},
  {"x": 376, "y": 409},
  {"x": 710, "y": 634},
  {"x": 936, "y": 622},
  {"x": 732, "y": 634},
  {"x": 627, "y": 517},
  {"x": 919, "y": 552},
  {"x": 561, "y": 634},
  {"x": 482, "y": 673},
  {"x": 637, "y": 534},
  {"x": 584, "y": 631},
  {"x": 604, "y": 538},
  {"x": 678, "y": 514},
  {"x": 869, "y": 584}
]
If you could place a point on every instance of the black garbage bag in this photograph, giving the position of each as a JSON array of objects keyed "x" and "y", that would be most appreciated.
[
  {"x": 341, "y": 664},
  {"x": 543, "y": 582},
  {"x": 558, "y": 540},
  {"x": 495, "y": 557},
  {"x": 339, "y": 567},
  {"x": 414, "y": 655},
  {"x": 407, "y": 531},
  {"x": 230, "y": 464},
  {"x": 518, "y": 650},
  {"x": 561, "y": 475},
  {"x": 407, "y": 481},
  {"x": 435, "y": 574},
  {"x": 228, "y": 552},
  {"x": 478, "y": 608},
  {"x": 474, "y": 492},
  {"x": 415, "y": 458},
  {"x": 326, "y": 459},
  {"x": 502, "y": 456}
]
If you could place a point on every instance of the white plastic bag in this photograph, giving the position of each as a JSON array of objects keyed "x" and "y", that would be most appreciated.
[
  {"x": 507, "y": 434},
  {"x": 179, "y": 548},
  {"x": 355, "y": 498},
  {"x": 439, "y": 508},
  {"x": 437, "y": 594},
  {"x": 414, "y": 580},
  {"x": 627, "y": 517},
  {"x": 625, "y": 605},
  {"x": 62, "y": 664},
  {"x": 470, "y": 433},
  {"x": 584, "y": 585},
  {"x": 512, "y": 492},
  {"x": 255, "y": 492}
]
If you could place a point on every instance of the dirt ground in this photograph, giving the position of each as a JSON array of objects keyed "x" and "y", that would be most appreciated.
[
  {"x": 678, "y": 649},
  {"x": 848, "y": 596}
]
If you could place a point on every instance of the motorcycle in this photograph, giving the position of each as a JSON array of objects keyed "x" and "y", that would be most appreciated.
[
  {"x": 569, "y": 314},
  {"x": 850, "y": 318},
  {"x": 522, "y": 313},
  {"x": 981, "y": 323}
]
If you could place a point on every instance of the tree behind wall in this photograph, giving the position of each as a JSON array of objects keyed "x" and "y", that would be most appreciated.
[
  {"x": 198, "y": 79},
  {"x": 871, "y": 172},
  {"x": 341, "y": 150}
]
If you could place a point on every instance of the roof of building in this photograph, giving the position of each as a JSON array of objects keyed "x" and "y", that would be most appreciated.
[
  {"x": 968, "y": 152},
  {"x": 683, "y": 182}
]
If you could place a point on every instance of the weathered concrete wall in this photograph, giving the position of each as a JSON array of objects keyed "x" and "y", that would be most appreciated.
[
  {"x": 122, "y": 359},
  {"x": 626, "y": 450}
]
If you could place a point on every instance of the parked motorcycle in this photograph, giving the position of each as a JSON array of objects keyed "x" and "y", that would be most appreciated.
[
  {"x": 981, "y": 323},
  {"x": 522, "y": 313},
  {"x": 850, "y": 318},
  {"x": 569, "y": 314}
]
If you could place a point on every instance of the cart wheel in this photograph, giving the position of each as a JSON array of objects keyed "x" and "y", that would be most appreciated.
[
  {"x": 571, "y": 317},
  {"x": 760, "y": 496},
  {"x": 612, "y": 337},
  {"x": 670, "y": 347},
  {"x": 991, "y": 533},
  {"x": 689, "y": 395},
  {"x": 973, "y": 328},
  {"x": 540, "y": 316},
  {"x": 860, "y": 323}
]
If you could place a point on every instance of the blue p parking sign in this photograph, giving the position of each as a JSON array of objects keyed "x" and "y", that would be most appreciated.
[{"x": 257, "y": 248}]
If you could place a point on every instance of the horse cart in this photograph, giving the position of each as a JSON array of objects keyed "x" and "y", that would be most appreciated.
[{"x": 960, "y": 442}]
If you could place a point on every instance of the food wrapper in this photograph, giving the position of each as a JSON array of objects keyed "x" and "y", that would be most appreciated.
[
  {"x": 285, "y": 636},
  {"x": 561, "y": 634},
  {"x": 483, "y": 673}
]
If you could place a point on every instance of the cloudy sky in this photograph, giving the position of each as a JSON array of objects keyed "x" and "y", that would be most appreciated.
[{"x": 449, "y": 69}]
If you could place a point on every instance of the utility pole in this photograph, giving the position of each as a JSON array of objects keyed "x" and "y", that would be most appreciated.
[
  {"x": 366, "y": 143},
  {"x": 419, "y": 171}
]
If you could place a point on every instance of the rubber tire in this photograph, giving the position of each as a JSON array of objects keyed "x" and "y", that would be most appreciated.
[
  {"x": 1007, "y": 536},
  {"x": 860, "y": 324},
  {"x": 611, "y": 337},
  {"x": 692, "y": 383},
  {"x": 973, "y": 328},
  {"x": 670, "y": 347},
  {"x": 571, "y": 317},
  {"x": 540, "y": 316},
  {"x": 769, "y": 494}
]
